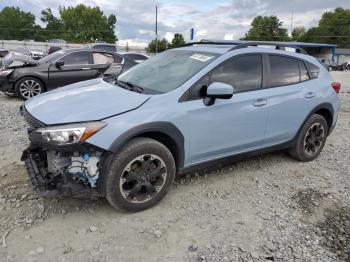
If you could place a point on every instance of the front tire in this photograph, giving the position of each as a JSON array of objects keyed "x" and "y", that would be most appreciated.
[
  {"x": 28, "y": 87},
  {"x": 310, "y": 139},
  {"x": 140, "y": 175}
]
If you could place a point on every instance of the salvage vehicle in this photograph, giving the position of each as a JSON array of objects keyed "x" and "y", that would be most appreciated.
[
  {"x": 183, "y": 109},
  {"x": 25, "y": 77}
]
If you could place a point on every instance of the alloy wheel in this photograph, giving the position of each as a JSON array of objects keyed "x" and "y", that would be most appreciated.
[
  {"x": 313, "y": 139},
  {"x": 29, "y": 88},
  {"x": 143, "y": 178}
]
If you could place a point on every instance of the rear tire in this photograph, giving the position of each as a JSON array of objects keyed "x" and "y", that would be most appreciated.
[
  {"x": 310, "y": 139},
  {"x": 28, "y": 87},
  {"x": 140, "y": 175}
]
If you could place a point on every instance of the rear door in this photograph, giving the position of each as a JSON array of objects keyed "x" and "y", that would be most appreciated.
[
  {"x": 116, "y": 67},
  {"x": 101, "y": 61},
  {"x": 291, "y": 97},
  {"x": 76, "y": 68}
]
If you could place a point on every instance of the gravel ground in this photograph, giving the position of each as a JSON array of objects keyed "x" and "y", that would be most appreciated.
[{"x": 267, "y": 208}]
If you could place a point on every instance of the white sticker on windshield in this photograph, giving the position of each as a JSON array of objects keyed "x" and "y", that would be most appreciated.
[{"x": 200, "y": 57}]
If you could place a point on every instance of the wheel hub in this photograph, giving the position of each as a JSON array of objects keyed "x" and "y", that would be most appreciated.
[
  {"x": 143, "y": 178},
  {"x": 313, "y": 139}
]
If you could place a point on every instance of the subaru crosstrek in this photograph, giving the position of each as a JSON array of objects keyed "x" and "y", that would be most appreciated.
[{"x": 183, "y": 109}]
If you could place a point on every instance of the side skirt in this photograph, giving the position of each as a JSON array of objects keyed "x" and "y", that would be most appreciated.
[{"x": 236, "y": 157}]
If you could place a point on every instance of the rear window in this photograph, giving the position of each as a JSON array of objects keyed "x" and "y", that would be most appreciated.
[
  {"x": 313, "y": 70},
  {"x": 283, "y": 71}
]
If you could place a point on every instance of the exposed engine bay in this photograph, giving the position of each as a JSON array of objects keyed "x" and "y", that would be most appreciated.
[{"x": 63, "y": 174}]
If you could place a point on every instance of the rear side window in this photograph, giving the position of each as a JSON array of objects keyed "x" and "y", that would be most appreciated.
[
  {"x": 283, "y": 71},
  {"x": 304, "y": 75},
  {"x": 243, "y": 73},
  {"x": 102, "y": 58},
  {"x": 313, "y": 70}
]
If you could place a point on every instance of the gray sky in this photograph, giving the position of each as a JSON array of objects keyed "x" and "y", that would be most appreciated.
[{"x": 220, "y": 19}]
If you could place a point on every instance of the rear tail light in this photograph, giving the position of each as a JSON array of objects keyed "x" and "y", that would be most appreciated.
[{"x": 336, "y": 86}]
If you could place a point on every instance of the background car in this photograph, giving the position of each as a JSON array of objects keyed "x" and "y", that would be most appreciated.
[
  {"x": 54, "y": 49},
  {"x": 137, "y": 57},
  {"x": 25, "y": 77},
  {"x": 3, "y": 52},
  {"x": 36, "y": 53},
  {"x": 327, "y": 63}
]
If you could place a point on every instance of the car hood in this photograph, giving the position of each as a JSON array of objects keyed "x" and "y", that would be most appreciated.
[
  {"x": 14, "y": 56},
  {"x": 84, "y": 101}
]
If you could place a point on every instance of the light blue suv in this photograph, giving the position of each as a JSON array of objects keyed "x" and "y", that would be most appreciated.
[{"x": 181, "y": 110}]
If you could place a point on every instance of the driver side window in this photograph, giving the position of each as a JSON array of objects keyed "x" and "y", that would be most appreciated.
[{"x": 244, "y": 73}]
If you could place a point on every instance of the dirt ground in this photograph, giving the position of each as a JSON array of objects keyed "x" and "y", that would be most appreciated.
[{"x": 266, "y": 208}]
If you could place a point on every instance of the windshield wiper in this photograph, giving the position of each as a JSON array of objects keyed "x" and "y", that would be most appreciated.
[{"x": 130, "y": 86}]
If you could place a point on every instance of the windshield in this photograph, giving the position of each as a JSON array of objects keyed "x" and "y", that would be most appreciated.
[
  {"x": 52, "y": 57},
  {"x": 168, "y": 70}
]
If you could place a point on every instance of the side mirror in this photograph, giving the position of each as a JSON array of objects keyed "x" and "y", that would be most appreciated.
[
  {"x": 59, "y": 64},
  {"x": 218, "y": 90}
]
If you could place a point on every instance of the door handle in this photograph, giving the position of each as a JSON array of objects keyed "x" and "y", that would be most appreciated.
[
  {"x": 86, "y": 68},
  {"x": 310, "y": 95},
  {"x": 260, "y": 102}
]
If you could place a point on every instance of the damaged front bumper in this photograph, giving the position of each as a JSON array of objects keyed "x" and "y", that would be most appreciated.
[{"x": 56, "y": 183}]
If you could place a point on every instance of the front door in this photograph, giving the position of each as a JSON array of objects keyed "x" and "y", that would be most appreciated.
[
  {"x": 77, "y": 67},
  {"x": 229, "y": 126}
]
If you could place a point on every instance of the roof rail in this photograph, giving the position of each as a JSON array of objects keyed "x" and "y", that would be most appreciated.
[
  {"x": 207, "y": 42},
  {"x": 243, "y": 44},
  {"x": 263, "y": 43}
]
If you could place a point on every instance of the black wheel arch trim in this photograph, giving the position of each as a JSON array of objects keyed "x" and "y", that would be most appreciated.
[
  {"x": 323, "y": 106},
  {"x": 163, "y": 127}
]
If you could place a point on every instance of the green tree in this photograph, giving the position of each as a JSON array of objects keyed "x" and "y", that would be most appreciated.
[
  {"x": 158, "y": 46},
  {"x": 16, "y": 24},
  {"x": 85, "y": 24},
  {"x": 178, "y": 40},
  {"x": 54, "y": 26},
  {"x": 333, "y": 28},
  {"x": 298, "y": 34},
  {"x": 267, "y": 28}
]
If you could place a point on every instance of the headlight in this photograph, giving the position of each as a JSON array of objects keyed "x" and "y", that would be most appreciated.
[{"x": 67, "y": 134}]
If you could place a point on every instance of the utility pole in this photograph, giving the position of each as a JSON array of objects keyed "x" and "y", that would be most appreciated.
[
  {"x": 156, "y": 29},
  {"x": 291, "y": 23}
]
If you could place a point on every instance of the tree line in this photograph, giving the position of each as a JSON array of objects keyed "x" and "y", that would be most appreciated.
[
  {"x": 89, "y": 24},
  {"x": 74, "y": 24},
  {"x": 333, "y": 28}
]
